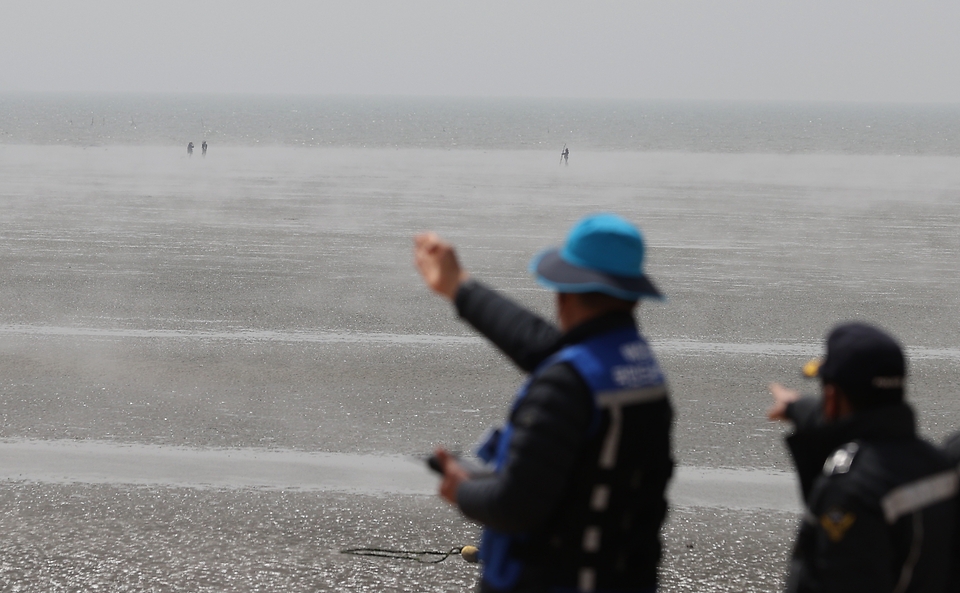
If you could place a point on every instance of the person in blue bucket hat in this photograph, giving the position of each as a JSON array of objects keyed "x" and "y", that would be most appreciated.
[{"x": 572, "y": 494}]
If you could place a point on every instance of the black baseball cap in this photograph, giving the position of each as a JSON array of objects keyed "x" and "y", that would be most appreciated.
[{"x": 864, "y": 361}]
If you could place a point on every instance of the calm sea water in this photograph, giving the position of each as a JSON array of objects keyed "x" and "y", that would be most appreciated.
[{"x": 91, "y": 120}]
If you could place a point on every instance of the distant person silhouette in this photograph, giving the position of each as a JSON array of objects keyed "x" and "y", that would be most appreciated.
[
  {"x": 565, "y": 155},
  {"x": 190, "y": 149},
  {"x": 203, "y": 148}
]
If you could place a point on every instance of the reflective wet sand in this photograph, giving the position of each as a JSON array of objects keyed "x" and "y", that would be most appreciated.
[{"x": 262, "y": 301}]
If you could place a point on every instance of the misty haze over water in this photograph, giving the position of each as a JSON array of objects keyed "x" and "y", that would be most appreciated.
[
  {"x": 457, "y": 123},
  {"x": 218, "y": 372}
]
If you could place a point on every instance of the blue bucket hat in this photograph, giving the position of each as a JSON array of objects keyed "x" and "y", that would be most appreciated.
[{"x": 603, "y": 253}]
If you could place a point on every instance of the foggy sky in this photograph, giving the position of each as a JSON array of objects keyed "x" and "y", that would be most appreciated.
[{"x": 842, "y": 50}]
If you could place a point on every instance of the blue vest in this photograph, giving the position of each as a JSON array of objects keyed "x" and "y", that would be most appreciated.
[{"x": 619, "y": 369}]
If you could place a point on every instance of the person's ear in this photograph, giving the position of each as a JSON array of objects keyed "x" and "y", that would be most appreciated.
[
  {"x": 563, "y": 310},
  {"x": 836, "y": 404},
  {"x": 831, "y": 403}
]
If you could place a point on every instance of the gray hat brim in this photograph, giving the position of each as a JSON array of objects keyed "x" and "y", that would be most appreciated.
[{"x": 556, "y": 273}]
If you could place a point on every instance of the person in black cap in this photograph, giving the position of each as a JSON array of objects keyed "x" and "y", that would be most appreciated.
[
  {"x": 952, "y": 448},
  {"x": 574, "y": 496},
  {"x": 879, "y": 499}
]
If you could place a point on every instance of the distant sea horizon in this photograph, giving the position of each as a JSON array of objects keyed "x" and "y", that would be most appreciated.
[{"x": 84, "y": 119}]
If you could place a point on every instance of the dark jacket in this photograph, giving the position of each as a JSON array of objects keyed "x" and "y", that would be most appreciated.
[
  {"x": 952, "y": 447},
  {"x": 879, "y": 503},
  {"x": 551, "y": 447}
]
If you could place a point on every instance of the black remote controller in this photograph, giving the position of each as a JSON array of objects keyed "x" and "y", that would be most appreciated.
[{"x": 434, "y": 464}]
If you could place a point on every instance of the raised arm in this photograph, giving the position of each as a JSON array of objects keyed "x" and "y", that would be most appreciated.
[{"x": 520, "y": 334}]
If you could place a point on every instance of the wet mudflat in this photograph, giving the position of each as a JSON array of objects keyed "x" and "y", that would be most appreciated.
[
  {"x": 264, "y": 298},
  {"x": 114, "y": 538}
]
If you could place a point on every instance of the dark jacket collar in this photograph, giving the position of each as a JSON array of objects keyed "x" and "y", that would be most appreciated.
[
  {"x": 815, "y": 439},
  {"x": 886, "y": 422},
  {"x": 596, "y": 326}
]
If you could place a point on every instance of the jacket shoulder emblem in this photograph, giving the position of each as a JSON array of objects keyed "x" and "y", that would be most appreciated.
[
  {"x": 836, "y": 522},
  {"x": 840, "y": 461}
]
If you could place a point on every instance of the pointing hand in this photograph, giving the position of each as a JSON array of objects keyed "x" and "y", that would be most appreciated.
[{"x": 436, "y": 260}]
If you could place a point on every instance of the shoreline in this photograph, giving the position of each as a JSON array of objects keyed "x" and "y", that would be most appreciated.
[
  {"x": 672, "y": 346},
  {"x": 110, "y": 463}
]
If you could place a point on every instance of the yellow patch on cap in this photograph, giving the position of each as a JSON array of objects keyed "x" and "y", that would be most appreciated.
[{"x": 812, "y": 367}]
